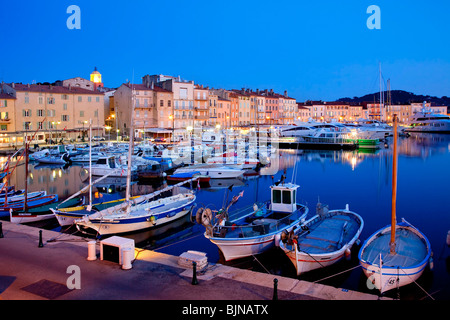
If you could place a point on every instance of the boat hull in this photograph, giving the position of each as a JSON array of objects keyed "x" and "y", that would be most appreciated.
[
  {"x": 132, "y": 224},
  {"x": 240, "y": 248},
  {"x": 240, "y": 245},
  {"x": 388, "y": 276},
  {"x": 304, "y": 262}
]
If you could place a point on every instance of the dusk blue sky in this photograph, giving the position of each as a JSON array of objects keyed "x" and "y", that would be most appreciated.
[{"x": 313, "y": 49}]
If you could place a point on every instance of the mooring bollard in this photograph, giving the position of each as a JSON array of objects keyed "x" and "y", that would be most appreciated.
[
  {"x": 1, "y": 230},
  {"x": 194, "y": 273},
  {"x": 40, "y": 239},
  {"x": 275, "y": 289}
]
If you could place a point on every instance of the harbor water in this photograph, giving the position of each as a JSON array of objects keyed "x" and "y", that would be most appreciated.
[{"x": 360, "y": 178}]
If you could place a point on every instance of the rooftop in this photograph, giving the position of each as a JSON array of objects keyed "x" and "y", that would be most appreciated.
[{"x": 50, "y": 89}]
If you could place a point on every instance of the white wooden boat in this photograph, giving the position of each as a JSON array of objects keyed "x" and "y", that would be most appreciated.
[
  {"x": 86, "y": 158},
  {"x": 256, "y": 229},
  {"x": 405, "y": 265},
  {"x": 322, "y": 240},
  {"x": 397, "y": 254},
  {"x": 54, "y": 159},
  {"x": 214, "y": 171},
  {"x": 129, "y": 218}
]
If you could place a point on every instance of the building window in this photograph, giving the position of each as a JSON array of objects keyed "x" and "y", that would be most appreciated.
[
  {"x": 40, "y": 113},
  {"x": 64, "y": 117},
  {"x": 26, "y": 113},
  {"x": 64, "y": 97},
  {"x": 64, "y": 106},
  {"x": 4, "y": 127},
  {"x": 41, "y": 100},
  {"x": 81, "y": 114},
  {"x": 169, "y": 102},
  {"x": 40, "y": 125},
  {"x": 161, "y": 103},
  {"x": 89, "y": 99},
  {"x": 27, "y": 125},
  {"x": 97, "y": 99},
  {"x": 80, "y": 98}
]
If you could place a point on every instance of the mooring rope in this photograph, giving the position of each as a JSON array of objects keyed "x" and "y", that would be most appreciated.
[{"x": 336, "y": 274}]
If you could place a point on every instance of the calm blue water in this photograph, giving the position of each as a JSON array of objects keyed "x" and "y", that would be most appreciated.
[{"x": 362, "y": 180}]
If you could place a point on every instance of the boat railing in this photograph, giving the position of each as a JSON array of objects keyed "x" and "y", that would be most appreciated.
[{"x": 258, "y": 227}]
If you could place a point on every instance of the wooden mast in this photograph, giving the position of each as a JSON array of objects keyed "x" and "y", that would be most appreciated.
[{"x": 394, "y": 188}]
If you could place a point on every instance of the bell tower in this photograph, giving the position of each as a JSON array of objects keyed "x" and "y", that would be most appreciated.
[{"x": 96, "y": 78}]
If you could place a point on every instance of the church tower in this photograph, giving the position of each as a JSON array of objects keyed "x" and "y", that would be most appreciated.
[{"x": 96, "y": 78}]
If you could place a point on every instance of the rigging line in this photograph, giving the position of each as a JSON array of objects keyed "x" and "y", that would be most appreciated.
[
  {"x": 171, "y": 244},
  {"x": 261, "y": 264},
  {"x": 336, "y": 274},
  {"x": 417, "y": 284}
]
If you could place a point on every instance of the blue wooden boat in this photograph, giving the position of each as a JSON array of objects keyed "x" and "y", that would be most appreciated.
[
  {"x": 31, "y": 203},
  {"x": 43, "y": 212}
]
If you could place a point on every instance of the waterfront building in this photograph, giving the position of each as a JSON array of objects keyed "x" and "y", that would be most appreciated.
[
  {"x": 183, "y": 98},
  {"x": 272, "y": 105},
  {"x": 153, "y": 109},
  {"x": 287, "y": 107},
  {"x": 201, "y": 106},
  {"x": 53, "y": 112}
]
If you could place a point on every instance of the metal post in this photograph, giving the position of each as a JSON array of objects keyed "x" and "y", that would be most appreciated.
[
  {"x": 40, "y": 239},
  {"x": 275, "y": 289},
  {"x": 194, "y": 273}
]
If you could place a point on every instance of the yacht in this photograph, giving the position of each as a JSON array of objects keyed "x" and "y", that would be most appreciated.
[
  {"x": 428, "y": 121},
  {"x": 109, "y": 166}
]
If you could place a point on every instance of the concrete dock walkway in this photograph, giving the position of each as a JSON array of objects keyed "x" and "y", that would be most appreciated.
[{"x": 30, "y": 272}]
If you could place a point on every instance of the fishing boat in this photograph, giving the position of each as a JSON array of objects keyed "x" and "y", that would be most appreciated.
[
  {"x": 54, "y": 159},
  {"x": 213, "y": 171},
  {"x": 397, "y": 254},
  {"x": 131, "y": 216},
  {"x": 253, "y": 230},
  {"x": 178, "y": 177},
  {"x": 67, "y": 216},
  {"x": 232, "y": 158},
  {"x": 322, "y": 240},
  {"x": 43, "y": 212},
  {"x": 30, "y": 203},
  {"x": 20, "y": 198},
  {"x": 86, "y": 158}
]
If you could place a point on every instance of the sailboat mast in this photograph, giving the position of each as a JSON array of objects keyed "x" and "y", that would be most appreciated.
[
  {"x": 130, "y": 146},
  {"x": 394, "y": 188},
  {"x": 90, "y": 164}
]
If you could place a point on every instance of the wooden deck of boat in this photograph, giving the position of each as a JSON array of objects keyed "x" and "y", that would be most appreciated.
[
  {"x": 410, "y": 249},
  {"x": 327, "y": 235}
]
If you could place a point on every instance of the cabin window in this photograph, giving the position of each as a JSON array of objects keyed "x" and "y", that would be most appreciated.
[
  {"x": 276, "y": 196},
  {"x": 286, "y": 196},
  {"x": 101, "y": 161},
  {"x": 111, "y": 163}
]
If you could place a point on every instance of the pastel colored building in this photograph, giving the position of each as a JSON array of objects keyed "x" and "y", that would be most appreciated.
[
  {"x": 54, "y": 112},
  {"x": 153, "y": 107}
]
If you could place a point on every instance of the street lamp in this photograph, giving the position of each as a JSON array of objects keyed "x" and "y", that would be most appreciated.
[
  {"x": 108, "y": 128},
  {"x": 171, "y": 117}
]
